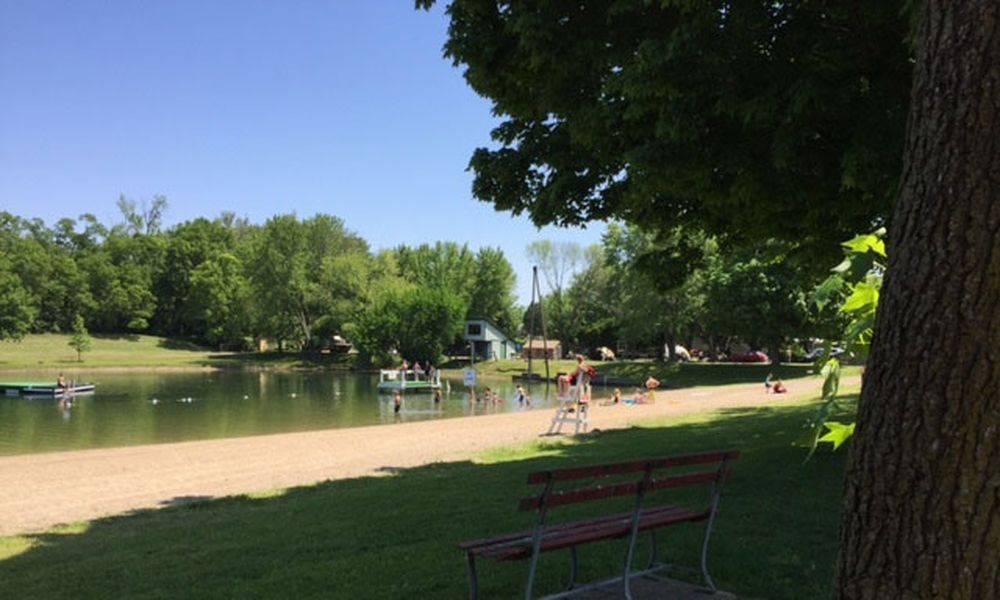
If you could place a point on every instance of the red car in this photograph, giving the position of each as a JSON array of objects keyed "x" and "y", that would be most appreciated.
[{"x": 750, "y": 357}]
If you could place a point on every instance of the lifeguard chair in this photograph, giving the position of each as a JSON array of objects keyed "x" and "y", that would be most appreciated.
[{"x": 573, "y": 403}]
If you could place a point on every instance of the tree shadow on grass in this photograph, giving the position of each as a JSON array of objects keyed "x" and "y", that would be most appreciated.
[
  {"x": 179, "y": 344},
  {"x": 395, "y": 535},
  {"x": 127, "y": 337},
  {"x": 289, "y": 360}
]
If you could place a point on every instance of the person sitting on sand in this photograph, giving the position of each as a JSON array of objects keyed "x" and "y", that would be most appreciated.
[
  {"x": 779, "y": 388},
  {"x": 651, "y": 384},
  {"x": 614, "y": 400},
  {"x": 639, "y": 398}
]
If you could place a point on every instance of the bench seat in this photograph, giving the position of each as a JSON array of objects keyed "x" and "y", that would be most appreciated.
[{"x": 519, "y": 545}]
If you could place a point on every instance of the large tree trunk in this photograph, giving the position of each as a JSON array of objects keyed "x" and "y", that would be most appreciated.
[{"x": 921, "y": 513}]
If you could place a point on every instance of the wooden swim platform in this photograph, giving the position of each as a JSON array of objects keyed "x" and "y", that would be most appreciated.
[{"x": 36, "y": 388}]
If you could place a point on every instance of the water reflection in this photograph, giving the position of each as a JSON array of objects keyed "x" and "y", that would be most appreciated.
[{"x": 155, "y": 407}]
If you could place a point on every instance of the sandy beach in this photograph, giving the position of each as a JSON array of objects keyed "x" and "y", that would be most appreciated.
[{"x": 38, "y": 491}]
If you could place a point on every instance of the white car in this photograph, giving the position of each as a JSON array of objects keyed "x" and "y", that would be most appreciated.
[{"x": 817, "y": 353}]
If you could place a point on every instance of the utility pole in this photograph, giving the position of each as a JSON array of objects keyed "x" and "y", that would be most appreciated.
[{"x": 537, "y": 289}]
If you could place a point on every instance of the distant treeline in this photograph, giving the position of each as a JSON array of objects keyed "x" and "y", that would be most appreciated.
[
  {"x": 299, "y": 282},
  {"x": 226, "y": 282}
]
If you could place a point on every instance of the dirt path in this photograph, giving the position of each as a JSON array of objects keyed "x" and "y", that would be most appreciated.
[{"x": 38, "y": 491}]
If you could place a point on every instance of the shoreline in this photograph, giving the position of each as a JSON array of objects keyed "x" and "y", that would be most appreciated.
[{"x": 40, "y": 491}]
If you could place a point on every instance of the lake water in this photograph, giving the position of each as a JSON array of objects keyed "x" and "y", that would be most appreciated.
[{"x": 131, "y": 408}]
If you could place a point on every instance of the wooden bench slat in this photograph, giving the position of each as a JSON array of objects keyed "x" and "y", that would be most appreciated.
[
  {"x": 592, "y": 532},
  {"x": 474, "y": 544},
  {"x": 683, "y": 480},
  {"x": 622, "y": 489},
  {"x": 580, "y": 495},
  {"x": 571, "y": 473}
]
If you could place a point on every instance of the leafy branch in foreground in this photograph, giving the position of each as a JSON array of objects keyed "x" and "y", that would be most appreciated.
[{"x": 855, "y": 285}]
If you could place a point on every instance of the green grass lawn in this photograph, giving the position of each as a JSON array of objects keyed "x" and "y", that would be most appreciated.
[
  {"x": 395, "y": 536},
  {"x": 51, "y": 351}
]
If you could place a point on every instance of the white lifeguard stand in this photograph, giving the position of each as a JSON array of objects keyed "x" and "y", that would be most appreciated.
[{"x": 575, "y": 397}]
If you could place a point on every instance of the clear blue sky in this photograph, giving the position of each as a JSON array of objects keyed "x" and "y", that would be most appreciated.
[{"x": 256, "y": 107}]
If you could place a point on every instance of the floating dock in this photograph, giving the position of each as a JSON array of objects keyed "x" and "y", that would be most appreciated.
[
  {"x": 407, "y": 381},
  {"x": 35, "y": 388}
]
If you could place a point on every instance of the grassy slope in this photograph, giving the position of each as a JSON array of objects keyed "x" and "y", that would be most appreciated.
[
  {"x": 395, "y": 536},
  {"x": 51, "y": 351}
]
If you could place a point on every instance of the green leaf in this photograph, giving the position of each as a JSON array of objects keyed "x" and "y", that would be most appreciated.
[
  {"x": 866, "y": 243},
  {"x": 824, "y": 291},
  {"x": 843, "y": 267},
  {"x": 864, "y": 296},
  {"x": 831, "y": 378},
  {"x": 837, "y": 433}
]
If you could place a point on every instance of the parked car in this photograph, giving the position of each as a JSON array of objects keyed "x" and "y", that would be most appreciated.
[
  {"x": 750, "y": 357},
  {"x": 818, "y": 352}
]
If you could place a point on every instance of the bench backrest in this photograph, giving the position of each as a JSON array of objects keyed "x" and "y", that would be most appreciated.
[{"x": 648, "y": 482}]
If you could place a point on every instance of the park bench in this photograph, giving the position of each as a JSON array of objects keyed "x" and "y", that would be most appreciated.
[{"x": 636, "y": 479}]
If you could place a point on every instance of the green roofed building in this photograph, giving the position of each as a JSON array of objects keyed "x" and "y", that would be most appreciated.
[{"x": 487, "y": 340}]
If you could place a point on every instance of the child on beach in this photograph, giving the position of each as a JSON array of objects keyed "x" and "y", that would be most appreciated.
[
  {"x": 651, "y": 384},
  {"x": 614, "y": 400}
]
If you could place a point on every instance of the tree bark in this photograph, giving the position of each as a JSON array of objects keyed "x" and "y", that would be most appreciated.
[{"x": 921, "y": 511}]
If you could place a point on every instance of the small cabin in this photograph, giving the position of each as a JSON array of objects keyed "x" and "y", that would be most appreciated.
[
  {"x": 537, "y": 349},
  {"x": 488, "y": 341}
]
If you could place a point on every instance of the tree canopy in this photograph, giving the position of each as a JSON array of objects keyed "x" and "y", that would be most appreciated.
[{"x": 757, "y": 119}]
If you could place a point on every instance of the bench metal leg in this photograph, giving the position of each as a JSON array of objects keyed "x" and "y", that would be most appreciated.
[
  {"x": 704, "y": 545},
  {"x": 654, "y": 558},
  {"x": 626, "y": 588},
  {"x": 573, "y": 568},
  {"x": 473, "y": 582},
  {"x": 536, "y": 551}
]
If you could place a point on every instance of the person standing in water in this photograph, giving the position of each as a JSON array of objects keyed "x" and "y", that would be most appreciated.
[{"x": 519, "y": 395}]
